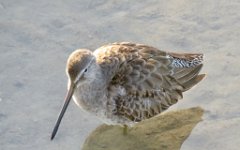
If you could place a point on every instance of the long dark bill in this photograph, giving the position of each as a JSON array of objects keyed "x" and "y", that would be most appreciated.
[{"x": 67, "y": 100}]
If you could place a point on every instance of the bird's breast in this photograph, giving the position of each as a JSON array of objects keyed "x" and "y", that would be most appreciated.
[{"x": 89, "y": 99}]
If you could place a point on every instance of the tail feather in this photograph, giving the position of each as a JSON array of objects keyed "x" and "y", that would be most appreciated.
[
  {"x": 187, "y": 67},
  {"x": 181, "y": 72},
  {"x": 189, "y": 84},
  {"x": 191, "y": 74},
  {"x": 186, "y": 60}
]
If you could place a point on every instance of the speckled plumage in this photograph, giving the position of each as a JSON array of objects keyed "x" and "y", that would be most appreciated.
[
  {"x": 124, "y": 83},
  {"x": 144, "y": 81}
]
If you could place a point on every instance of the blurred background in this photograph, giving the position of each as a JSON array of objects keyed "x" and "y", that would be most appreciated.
[{"x": 36, "y": 38}]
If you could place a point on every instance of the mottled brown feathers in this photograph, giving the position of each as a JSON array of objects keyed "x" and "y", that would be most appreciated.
[
  {"x": 147, "y": 75},
  {"x": 188, "y": 56}
]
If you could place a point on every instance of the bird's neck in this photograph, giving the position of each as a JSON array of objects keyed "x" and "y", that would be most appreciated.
[{"x": 90, "y": 95}]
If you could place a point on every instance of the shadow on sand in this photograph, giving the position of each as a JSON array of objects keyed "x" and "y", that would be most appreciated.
[{"x": 166, "y": 132}]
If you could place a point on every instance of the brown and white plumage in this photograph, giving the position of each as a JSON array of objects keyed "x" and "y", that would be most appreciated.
[
  {"x": 145, "y": 81},
  {"x": 123, "y": 83}
]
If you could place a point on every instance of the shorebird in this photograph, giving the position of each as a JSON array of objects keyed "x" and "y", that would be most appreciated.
[{"x": 125, "y": 83}]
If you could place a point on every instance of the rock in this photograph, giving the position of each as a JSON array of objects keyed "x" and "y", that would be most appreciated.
[{"x": 164, "y": 132}]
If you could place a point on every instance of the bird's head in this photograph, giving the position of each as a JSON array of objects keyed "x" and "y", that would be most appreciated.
[
  {"x": 80, "y": 66},
  {"x": 80, "y": 69}
]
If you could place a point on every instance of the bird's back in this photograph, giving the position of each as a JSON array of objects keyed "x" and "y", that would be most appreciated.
[{"x": 144, "y": 81}]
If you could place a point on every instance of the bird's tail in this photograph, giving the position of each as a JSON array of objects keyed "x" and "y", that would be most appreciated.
[
  {"x": 186, "y": 60},
  {"x": 187, "y": 67}
]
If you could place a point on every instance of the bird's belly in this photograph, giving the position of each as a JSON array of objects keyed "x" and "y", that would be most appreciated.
[{"x": 101, "y": 111}]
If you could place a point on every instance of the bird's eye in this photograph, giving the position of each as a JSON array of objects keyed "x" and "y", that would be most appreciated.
[{"x": 86, "y": 70}]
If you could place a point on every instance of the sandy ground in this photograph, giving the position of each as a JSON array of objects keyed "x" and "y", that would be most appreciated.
[{"x": 36, "y": 38}]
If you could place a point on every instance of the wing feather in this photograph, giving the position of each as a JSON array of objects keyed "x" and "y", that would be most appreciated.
[{"x": 147, "y": 75}]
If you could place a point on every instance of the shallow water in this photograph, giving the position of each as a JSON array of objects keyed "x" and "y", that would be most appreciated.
[{"x": 36, "y": 38}]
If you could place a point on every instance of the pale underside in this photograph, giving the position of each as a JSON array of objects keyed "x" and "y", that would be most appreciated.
[{"x": 144, "y": 81}]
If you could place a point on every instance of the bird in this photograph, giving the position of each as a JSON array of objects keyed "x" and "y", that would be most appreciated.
[{"x": 124, "y": 83}]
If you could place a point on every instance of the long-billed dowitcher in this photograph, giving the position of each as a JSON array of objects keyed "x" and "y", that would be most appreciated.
[{"x": 124, "y": 83}]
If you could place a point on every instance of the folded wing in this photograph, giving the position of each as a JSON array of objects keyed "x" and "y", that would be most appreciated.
[{"x": 145, "y": 81}]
